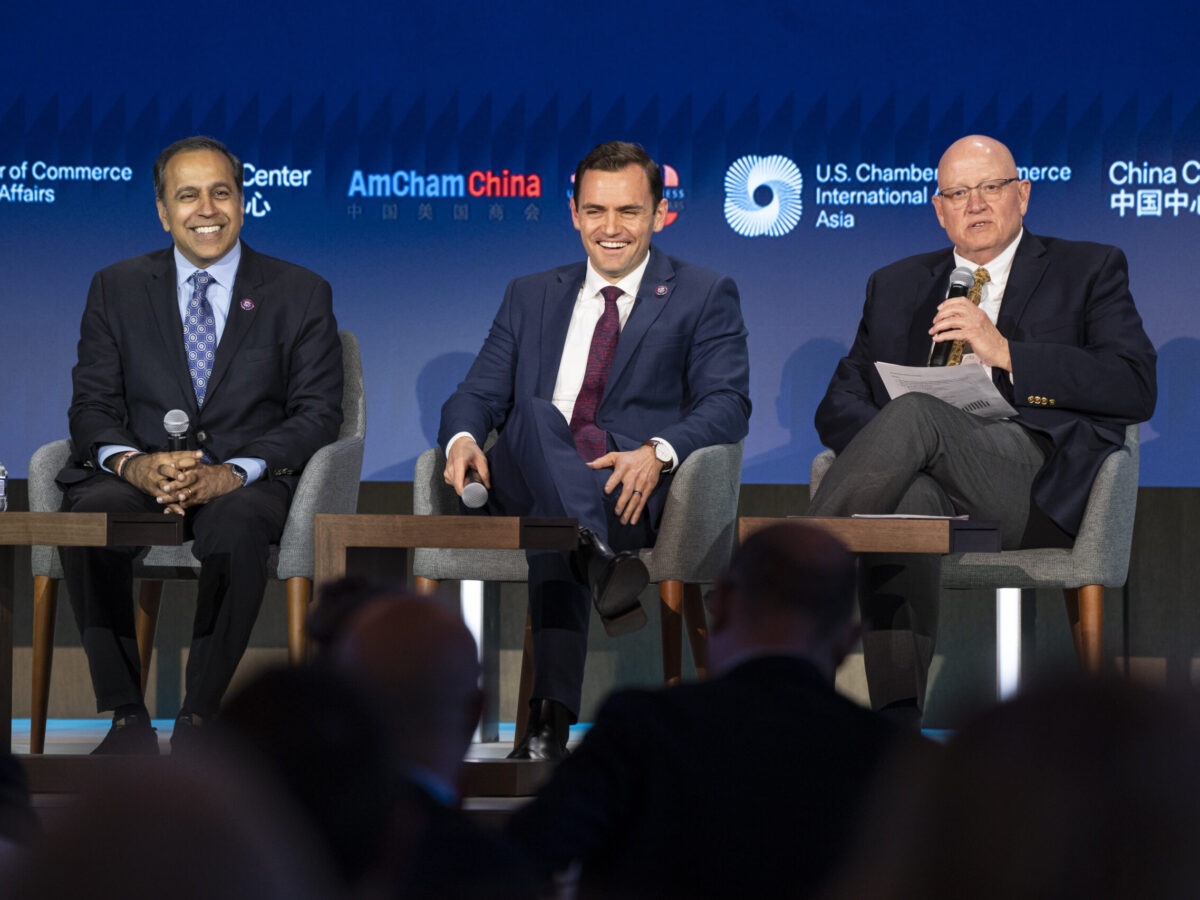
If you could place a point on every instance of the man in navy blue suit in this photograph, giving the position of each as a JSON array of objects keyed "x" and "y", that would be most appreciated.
[
  {"x": 601, "y": 377},
  {"x": 247, "y": 346},
  {"x": 1057, "y": 328}
]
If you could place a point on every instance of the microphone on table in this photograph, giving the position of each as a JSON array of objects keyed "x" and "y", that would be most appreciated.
[
  {"x": 176, "y": 423},
  {"x": 961, "y": 280},
  {"x": 474, "y": 493}
]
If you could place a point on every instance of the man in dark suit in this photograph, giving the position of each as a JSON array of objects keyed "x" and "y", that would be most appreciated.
[
  {"x": 247, "y": 346},
  {"x": 591, "y": 427},
  {"x": 416, "y": 660},
  {"x": 1057, "y": 326},
  {"x": 745, "y": 785}
]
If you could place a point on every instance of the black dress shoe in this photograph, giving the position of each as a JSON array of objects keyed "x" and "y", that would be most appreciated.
[
  {"x": 616, "y": 580},
  {"x": 187, "y": 734},
  {"x": 130, "y": 735},
  {"x": 546, "y": 734}
]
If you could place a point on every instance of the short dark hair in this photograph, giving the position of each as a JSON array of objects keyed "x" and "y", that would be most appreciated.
[
  {"x": 615, "y": 156},
  {"x": 794, "y": 568},
  {"x": 199, "y": 142}
]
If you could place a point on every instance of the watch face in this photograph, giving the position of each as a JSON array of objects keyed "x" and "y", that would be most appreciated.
[{"x": 661, "y": 452}]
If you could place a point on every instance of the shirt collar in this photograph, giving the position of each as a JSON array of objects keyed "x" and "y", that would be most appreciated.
[
  {"x": 999, "y": 267},
  {"x": 223, "y": 271},
  {"x": 629, "y": 284}
]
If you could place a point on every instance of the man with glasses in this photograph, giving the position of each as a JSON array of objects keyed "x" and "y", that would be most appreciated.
[{"x": 1054, "y": 323}]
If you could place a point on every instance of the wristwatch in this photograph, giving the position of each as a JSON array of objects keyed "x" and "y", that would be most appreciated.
[
  {"x": 661, "y": 453},
  {"x": 238, "y": 473}
]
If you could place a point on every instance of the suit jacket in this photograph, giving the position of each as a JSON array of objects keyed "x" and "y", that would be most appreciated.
[
  {"x": 681, "y": 371},
  {"x": 276, "y": 387},
  {"x": 437, "y": 851},
  {"x": 747, "y": 785},
  {"x": 1083, "y": 367}
]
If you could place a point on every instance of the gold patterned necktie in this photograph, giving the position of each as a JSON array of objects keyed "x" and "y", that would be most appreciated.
[{"x": 974, "y": 295}]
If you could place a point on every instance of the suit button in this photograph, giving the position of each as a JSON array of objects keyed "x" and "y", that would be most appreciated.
[
  {"x": 202, "y": 436},
  {"x": 1051, "y": 401},
  {"x": 1030, "y": 399}
]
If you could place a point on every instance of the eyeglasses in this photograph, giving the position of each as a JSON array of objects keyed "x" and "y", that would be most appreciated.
[{"x": 957, "y": 195}]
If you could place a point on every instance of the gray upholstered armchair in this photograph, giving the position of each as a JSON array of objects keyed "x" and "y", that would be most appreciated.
[
  {"x": 329, "y": 484},
  {"x": 1099, "y": 558},
  {"x": 694, "y": 544}
]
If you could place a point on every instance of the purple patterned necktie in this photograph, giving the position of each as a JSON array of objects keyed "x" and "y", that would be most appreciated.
[
  {"x": 592, "y": 441},
  {"x": 200, "y": 334}
]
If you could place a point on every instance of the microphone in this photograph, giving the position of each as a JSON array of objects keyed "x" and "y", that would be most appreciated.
[
  {"x": 961, "y": 280},
  {"x": 474, "y": 494},
  {"x": 176, "y": 423}
]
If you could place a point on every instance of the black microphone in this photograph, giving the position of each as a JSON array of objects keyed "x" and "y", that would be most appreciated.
[
  {"x": 474, "y": 493},
  {"x": 961, "y": 280},
  {"x": 176, "y": 423}
]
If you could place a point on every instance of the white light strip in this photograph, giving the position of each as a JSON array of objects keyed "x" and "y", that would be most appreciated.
[
  {"x": 470, "y": 594},
  {"x": 1008, "y": 641}
]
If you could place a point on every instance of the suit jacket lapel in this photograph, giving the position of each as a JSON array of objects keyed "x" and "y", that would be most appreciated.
[
  {"x": 658, "y": 282},
  {"x": 162, "y": 292},
  {"x": 246, "y": 286},
  {"x": 558, "y": 304},
  {"x": 1029, "y": 264},
  {"x": 929, "y": 295}
]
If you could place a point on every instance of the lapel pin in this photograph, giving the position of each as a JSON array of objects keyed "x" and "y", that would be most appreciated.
[
  {"x": 661, "y": 290},
  {"x": 247, "y": 304}
]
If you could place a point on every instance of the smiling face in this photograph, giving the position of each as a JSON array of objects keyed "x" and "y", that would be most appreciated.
[
  {"x": 615, "y": 215},
  {"x": 201, "y": 205},
  {"x": 981, "y": 229}
]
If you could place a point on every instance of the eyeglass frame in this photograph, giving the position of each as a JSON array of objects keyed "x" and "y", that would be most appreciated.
[{"x": 1001, "y": 182}]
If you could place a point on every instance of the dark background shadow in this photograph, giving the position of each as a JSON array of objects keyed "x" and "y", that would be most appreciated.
[
  {"x": 805, "y": 377},
  {"x": 435, "y": 384}
]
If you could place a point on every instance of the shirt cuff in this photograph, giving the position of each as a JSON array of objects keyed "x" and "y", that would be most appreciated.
[
  {"x": 254, "y": 467},
  {"x": 450, "y": 443},
  {"x": 108, "y": 451}
]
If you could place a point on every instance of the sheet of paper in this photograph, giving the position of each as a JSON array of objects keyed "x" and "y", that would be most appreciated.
[{"x": 967, "y": 387}]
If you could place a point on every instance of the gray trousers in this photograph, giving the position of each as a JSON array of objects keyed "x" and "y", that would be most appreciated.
[{"x": 923, "y": 457}]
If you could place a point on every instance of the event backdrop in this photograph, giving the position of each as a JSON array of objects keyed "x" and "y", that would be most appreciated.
[{"x": 420, "y": 156}]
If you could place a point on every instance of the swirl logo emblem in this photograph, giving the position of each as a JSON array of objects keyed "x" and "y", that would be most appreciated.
[{"x": 762, "y": 196}]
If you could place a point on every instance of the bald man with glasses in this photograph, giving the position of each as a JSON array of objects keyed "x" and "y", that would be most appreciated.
[{"x": 1055, "y": 325}]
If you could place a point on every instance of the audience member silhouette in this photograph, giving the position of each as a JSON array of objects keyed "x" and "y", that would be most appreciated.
[
  {"x": 312, "y": 732},
  {"x": 18, "y": 824},
  {"x": 1082, "y": 790},
  {"x": 419, "y": 661},
  {"x": 746, "y": 785},
  {"x": 184, "y": 830}
]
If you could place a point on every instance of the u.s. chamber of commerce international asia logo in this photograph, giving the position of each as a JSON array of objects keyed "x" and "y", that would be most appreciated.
[{"x": 762, "y": 196}]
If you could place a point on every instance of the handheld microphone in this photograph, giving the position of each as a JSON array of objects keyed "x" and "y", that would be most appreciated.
[
  {"x": 474, "y": 493},
  {"x": 176, "y": 423},
  {"x": 961, "y": 280}
]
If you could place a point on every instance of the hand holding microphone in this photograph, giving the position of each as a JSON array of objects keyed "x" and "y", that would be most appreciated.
[{"x": 961, "y": 280}]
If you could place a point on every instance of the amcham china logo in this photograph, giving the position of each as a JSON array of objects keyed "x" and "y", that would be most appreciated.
[{"x": 762, "y": 196}]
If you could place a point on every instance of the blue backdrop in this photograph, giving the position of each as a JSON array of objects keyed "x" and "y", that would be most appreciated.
[{"x": 384, "y": 148}]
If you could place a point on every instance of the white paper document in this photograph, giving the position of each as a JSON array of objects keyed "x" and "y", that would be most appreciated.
[{"x": 967, "y": 387}]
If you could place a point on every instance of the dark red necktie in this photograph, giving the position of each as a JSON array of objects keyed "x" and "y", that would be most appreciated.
[{"x": 592, "y": 441}]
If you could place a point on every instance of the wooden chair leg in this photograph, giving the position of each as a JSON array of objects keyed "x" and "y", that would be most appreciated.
[
  {"x": 299, "y": 593},
  {"x": 1085, "y": 612},
  {"x": 670, "y": 595},
  {"x": 525, "y": 690},
  {"x": 697, "y": 627},
  {"x": 425, "y": 585},
  {"x": 45, "y": 605},
  {"x": 149, "y": 599}
]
